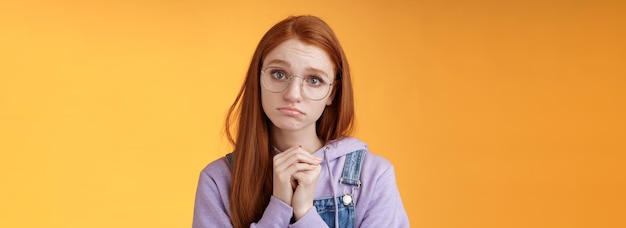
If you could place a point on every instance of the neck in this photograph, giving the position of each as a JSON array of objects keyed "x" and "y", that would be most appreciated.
[{"x": 284, "y": 140}]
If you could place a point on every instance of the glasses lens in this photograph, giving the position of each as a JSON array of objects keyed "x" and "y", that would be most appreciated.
[
  {"x": 315, "y": 88},
  {"x": 277, "y": 80}
]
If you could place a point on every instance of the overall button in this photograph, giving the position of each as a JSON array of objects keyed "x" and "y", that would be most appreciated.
[{"x": 346, "y": 199}]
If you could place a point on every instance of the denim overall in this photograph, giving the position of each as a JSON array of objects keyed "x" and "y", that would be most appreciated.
[{"x": 345, "y": 203}]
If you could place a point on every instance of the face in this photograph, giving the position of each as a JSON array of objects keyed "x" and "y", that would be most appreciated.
[{"x": 290, "y": 109}]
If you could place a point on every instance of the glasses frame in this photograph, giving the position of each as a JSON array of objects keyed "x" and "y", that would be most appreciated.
[{"x": 290, "y": 77}]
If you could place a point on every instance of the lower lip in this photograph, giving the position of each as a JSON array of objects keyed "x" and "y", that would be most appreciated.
[{"x": 290, "y": 112}]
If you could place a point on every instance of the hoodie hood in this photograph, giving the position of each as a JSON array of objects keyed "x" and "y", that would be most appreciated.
[
  {"x": 339, "y": 148},
  {"x": 333, "y": 156}
]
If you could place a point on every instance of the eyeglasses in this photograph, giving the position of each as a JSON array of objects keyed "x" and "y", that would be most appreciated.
[{"x": 276, "y": 80}]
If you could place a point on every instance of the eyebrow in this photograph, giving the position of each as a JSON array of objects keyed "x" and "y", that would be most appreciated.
[{"x": 287, "y": 64}]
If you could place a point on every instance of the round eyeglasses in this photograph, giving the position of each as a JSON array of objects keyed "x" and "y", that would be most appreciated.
[{"x": 314, "y": 87}]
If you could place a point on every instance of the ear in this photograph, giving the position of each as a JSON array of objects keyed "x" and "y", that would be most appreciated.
[{"x": 331, "y": 97}]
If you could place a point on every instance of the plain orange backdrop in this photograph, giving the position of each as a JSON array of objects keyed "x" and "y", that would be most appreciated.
[{"x": 494, "y": 113}]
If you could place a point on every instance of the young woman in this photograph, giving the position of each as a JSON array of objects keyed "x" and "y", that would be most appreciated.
[{"x": 294, "y": 164}]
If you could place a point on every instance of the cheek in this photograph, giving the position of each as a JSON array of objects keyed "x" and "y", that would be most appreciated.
[
  {"x": 265, "y": 101},
  {"x": 318, "y": 109}
]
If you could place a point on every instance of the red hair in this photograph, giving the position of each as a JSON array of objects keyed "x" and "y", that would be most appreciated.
[{"x": 251, "y": 185}]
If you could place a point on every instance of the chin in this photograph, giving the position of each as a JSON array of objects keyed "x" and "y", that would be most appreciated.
[{"x": 288, "y": 126}]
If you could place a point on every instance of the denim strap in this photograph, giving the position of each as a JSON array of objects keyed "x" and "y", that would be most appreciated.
[
  {"x": 352, "y": 168},
  {"x": 230, "y": 160}
]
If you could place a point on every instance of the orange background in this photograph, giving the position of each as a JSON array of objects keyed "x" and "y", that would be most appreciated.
[{"x": 494, "y": 113}]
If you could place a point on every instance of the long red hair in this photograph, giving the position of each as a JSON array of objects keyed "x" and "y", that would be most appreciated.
[{"x": 251, "y": 185}]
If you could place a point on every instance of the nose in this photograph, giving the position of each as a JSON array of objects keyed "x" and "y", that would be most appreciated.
[{"x": 294, "y": 90}]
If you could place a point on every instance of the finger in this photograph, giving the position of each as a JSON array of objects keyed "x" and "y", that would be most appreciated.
[
  {"x": 280, "y": 158},
  {"x": 285, "y": 163},
  {"x": 285, "y": 176},
  {"x": 293, "y": 165},
  {"x": 309, "y": 154},
  {"x": 296, "y": 149},
  {"x": 297, "y": 155},
  {"x": 304, "y": 178},
  {"x": 298, "y": 167},
  {"x": 309, "y": 175},
  {"x": 294, "y": 184}
]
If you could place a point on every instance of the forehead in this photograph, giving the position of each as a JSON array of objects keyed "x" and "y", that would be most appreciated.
[{"x": 299, "y": 56}]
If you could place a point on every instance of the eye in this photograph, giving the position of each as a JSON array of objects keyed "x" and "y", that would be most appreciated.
[
  {"x": 314, "y": 81},
  {"x": 278, "y": 74}
]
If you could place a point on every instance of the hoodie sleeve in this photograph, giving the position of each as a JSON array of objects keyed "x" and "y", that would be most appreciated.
[
  {"x": 276, "y": 214},
  {"x": 211, "y": 203},
  {"x": 310, "y": 220},
  {"x": 385, "y": 208},
  {"x": 210, "y": 209}
]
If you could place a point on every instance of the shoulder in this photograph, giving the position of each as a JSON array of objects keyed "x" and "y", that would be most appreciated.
[
  {"x": 217, "y": 170},
  {"x": 376, "y": 170},
  {"x": 372, "y": 163},
  {"x": 376, "y": 163}
]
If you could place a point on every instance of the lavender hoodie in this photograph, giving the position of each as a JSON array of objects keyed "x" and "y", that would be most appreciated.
[{"x": 377, "y": 200}]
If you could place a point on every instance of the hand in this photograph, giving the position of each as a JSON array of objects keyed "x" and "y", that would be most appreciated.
[
  {"x": 302, "y": 200},
  {"x": 285, "y": 165}
]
